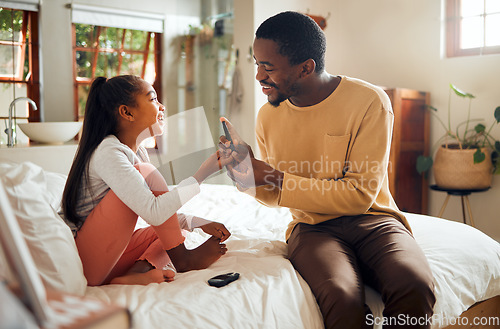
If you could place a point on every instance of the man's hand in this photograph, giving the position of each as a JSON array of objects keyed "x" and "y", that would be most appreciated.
[
  {"x": 245, "y": 169},
  {"x": 241, "y": 148},
  {"x": 254, "y": 173}
]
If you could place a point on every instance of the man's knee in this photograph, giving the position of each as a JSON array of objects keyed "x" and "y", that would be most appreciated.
[
  {"x": 420, "y": 293},
  {"x": 342, "y": 306},
  {"x": 414, "y": 295}
]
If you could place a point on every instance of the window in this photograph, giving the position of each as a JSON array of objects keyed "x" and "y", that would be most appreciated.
[
  {"x": 111, "y": 51},
  {"x": 109, "y": 42},
  {"x": 472, "y": 27},
  {"x": 19, "y": 66}
]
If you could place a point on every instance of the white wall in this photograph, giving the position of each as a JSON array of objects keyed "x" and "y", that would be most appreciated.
[
  {"x": 56, "y": 61},
  {"x": 243, "y": 38}
]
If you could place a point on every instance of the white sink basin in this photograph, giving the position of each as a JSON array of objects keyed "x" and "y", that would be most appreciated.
[{"x": 51, "y": 132}]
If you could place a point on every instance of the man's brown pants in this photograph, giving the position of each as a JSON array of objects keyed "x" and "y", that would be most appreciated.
[{"x": 337, "y": 257}]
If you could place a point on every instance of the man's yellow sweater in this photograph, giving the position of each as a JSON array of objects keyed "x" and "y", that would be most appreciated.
[{"x": 334, "y": 154}]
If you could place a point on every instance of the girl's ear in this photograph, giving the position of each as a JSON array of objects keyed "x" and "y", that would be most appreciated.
[{"x": 124, "y": 112}]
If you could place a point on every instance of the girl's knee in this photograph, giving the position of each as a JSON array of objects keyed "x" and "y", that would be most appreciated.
[
  {"x": 152, "y": 176},
  {"x": 145, "y": 168}
]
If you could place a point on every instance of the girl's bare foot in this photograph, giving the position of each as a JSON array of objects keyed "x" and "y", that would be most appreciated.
[
  {"x": 152, "y": 276},
  {"x": 198, "y": 258},
  {"x": 143, "y": 273}
]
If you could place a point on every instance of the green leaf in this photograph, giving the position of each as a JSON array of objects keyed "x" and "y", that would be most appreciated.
[
  {"x": 497, "y": 114},
  {"x": 479, "y": 156},
  {"x": 497, "y": 146},
  {"x": 424, "y": 163},
  {"x": 430, "y": 107},
  {"x": 460, "y": 92},
  {"x": 479, "y": 128},
  {"x": 494, "y": 161}
]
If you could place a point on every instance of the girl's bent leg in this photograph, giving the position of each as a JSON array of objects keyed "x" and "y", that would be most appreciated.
[
  {"x": 169, "y": 233},
  {"x": 104, "y": 237},
  {"x": 144, "y": 248},
  {"x": 108, "y": 230}
]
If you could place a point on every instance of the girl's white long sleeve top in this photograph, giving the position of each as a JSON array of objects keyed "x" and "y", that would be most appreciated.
[{"x": 112, "y": 167}]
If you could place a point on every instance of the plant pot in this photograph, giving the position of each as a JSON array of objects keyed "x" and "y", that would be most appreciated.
[{"x": 454, "y": 168}]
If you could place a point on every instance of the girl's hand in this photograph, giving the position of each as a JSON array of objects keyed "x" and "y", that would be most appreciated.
[
  {"x": 214, "y": 163},
  {"x": 216, "y": 229}
]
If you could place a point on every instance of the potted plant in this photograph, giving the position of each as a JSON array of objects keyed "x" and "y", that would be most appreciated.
[{"x": 467, "y": 156}]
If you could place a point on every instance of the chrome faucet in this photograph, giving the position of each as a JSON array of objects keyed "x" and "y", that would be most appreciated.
[{"x": 9, "y": 131}]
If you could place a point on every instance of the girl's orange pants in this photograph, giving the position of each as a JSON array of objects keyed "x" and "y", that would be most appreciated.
[{"x": 108, "y": 243}]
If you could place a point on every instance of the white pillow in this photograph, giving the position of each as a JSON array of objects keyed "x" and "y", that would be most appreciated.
[
  {"x": 5, "y": 271},
  {"x": 55, "y": 188},
  {"x": 49, "y": 239}
]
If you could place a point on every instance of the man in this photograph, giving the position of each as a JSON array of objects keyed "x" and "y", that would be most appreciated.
[{"x": 325, "y": 143}]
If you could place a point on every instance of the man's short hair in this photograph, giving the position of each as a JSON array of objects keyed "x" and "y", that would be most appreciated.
[{"x": 298, "y": 36}]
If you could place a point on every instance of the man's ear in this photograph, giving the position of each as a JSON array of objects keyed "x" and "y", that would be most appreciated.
[
  {"x": 308, "y": 67},
  {"x": 124, "y": 112}
]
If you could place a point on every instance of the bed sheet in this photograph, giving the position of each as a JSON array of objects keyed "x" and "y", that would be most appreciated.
[{"x": 270, "y": 293}]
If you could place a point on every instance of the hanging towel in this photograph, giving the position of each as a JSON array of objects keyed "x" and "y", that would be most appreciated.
[{"x": 235, "y": 97}]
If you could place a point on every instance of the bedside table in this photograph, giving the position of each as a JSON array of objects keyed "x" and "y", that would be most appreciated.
[{"x": 464, "y": 195}]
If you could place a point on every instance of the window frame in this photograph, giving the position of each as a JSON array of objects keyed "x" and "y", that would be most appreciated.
[
  {"x": 96, "y": 49},
  {"x": 31, "y": 23},
  {"x": 453, "y": 32}
]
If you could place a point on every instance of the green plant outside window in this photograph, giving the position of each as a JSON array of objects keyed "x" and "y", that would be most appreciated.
[{"x": 110, "y": 51}]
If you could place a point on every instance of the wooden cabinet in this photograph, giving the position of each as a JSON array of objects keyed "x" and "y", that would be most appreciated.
[{"x": 409, "y": 140}]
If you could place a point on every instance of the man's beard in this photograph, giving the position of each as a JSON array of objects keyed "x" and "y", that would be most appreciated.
[{"x": 282, "y": 97}]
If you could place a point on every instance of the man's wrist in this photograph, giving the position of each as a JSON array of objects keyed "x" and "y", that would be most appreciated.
[
  {"x": 278, "y": 178},
  {"x": 272, "y": 177}
]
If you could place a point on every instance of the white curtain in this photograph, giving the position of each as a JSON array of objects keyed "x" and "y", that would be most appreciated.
[
  {"x": 29, "y": 5},
  {"x": 113, "y": 17}
]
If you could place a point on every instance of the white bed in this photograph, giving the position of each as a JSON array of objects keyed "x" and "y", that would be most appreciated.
[{"x": 269, "y": 292}]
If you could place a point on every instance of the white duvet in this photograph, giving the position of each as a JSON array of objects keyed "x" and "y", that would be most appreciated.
[{"x": 270, "y": 293}]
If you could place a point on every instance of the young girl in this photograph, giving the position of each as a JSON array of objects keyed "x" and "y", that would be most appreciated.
[{"x": 111, "y": 183}]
